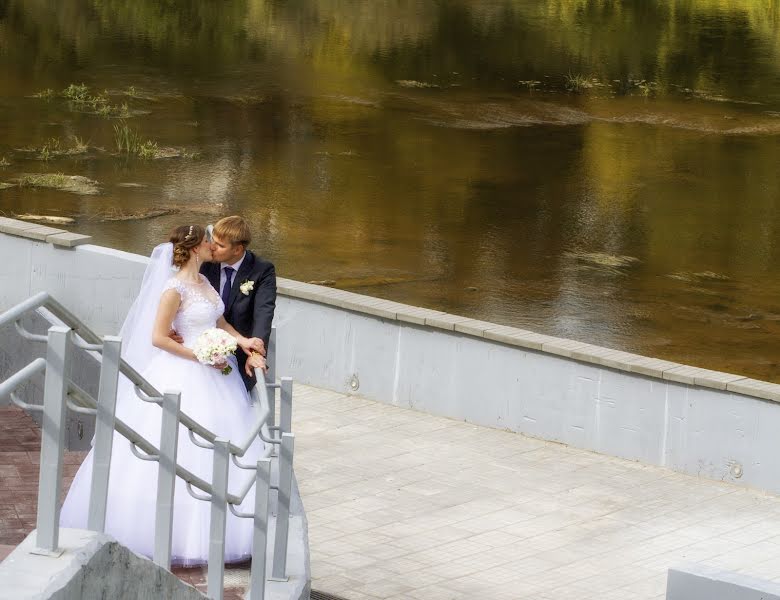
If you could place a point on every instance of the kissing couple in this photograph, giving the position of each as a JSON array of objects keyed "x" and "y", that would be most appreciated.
[{"x": 197, "y": 281}]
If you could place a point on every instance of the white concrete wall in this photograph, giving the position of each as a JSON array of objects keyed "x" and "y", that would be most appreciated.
[
  {"x": 695, "y": 421},
  {"x": 701, "y": 431},
  {"x": 97, "y": 284}
]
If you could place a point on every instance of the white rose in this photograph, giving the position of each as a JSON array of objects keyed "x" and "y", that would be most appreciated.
[{"x": 247, "y": 287}]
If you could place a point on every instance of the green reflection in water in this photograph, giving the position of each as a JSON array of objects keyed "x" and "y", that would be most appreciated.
[{"x": 430, "y": 152}]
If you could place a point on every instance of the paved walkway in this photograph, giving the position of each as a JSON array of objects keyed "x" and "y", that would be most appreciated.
[{"x": 405, "y": 505}]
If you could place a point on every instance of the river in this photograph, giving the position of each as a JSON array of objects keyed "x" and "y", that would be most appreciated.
[{"x": 605, "y": 171}]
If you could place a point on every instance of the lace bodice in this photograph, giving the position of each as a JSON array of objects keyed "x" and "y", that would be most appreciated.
[{"x": 200, "y": 308}]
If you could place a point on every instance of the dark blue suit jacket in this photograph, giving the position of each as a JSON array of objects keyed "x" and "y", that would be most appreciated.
[{"x": 253, "y": 313}]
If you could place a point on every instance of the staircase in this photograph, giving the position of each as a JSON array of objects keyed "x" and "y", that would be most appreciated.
[{"x": 21, "y": 452}]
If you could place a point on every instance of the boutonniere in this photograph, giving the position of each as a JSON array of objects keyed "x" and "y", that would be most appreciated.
[{"x": 247, "y": 287}]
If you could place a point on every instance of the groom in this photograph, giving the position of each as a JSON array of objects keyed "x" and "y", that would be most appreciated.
[{"x": 247, "y": 285}]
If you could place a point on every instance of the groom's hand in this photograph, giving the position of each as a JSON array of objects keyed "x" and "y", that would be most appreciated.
[
  {"x": 175, "y": 336},
  {"x": 256, "y": 361}
]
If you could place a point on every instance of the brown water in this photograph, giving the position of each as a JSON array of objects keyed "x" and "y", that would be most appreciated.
[{"x": 431, "y": 153}]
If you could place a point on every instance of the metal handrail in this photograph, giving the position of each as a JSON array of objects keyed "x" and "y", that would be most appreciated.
[
  {"x": 85, "y": 400},
  {"x": 94, "y": 343},
  {"x": 44, "y": 300},
  {"x": 61, "y": 393},
  {"x": 22, "y": 376}
]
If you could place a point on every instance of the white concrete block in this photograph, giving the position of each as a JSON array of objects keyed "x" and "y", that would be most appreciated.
[
  {"x": 93, "y": 565},
  {"x": 699, "y": 582}
]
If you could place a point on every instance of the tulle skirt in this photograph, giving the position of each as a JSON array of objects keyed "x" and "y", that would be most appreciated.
[{"x": 218, "y": 402}]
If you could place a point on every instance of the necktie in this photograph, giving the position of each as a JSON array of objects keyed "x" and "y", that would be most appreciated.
[{"x": 228, "y": 284}]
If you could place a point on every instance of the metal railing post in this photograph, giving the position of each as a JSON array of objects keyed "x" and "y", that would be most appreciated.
[
  {"x": 219, "y": 484},
  {"x": 285, "y": 405},
  {"x": 53, "y": 440},
  {"x": 271, "y": 376},
  {"x": 104, "y": 433},
  {"x": 166, "y": 479},
  {"x": 279, "y": 569},
  {"x": 260, "y": 533},
  {"x": 271, "y": 355}
]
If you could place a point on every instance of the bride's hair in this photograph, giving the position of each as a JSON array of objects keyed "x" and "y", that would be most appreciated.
[{"x": 184, "y": 238}]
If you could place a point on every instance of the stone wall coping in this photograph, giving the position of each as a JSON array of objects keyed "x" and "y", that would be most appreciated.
[
  {"x": 655, "y": 368},
  {"x": 513, "y": 336},
  {"x": 42, "y": 233}
]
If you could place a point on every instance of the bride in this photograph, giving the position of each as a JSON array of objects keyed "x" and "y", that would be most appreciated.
[{"x": 174, "y": 295}]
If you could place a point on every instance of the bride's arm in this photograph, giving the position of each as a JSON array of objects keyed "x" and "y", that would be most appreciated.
[
  {"x": 253, "y": 347},
  {"x": 248, "y": 344},
  {"x": 169, "y": 304}
]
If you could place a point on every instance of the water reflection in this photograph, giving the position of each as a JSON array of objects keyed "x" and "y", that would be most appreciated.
[{"x": 590, "y": 168}]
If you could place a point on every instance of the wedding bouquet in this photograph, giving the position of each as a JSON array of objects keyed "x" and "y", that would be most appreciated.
[{"x": 213, "y": 347}]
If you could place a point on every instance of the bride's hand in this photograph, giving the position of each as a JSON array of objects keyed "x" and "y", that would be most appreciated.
[{"x": 252, "y": 346}]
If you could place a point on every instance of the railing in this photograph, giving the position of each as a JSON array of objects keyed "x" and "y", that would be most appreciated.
[{"x": 61, "y": 393}]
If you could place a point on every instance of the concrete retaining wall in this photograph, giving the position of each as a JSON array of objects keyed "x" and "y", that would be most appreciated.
[
  {"x": 692, "y": 420},
  {"x": 697, "y": 582}
]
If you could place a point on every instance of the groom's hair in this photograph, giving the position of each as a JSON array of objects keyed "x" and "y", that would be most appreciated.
[{"x": 233, "y": 229}]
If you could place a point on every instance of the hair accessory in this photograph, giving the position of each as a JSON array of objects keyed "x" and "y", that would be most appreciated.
[{"x": 189, "y": 233}]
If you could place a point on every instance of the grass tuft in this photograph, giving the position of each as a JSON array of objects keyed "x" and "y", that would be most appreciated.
[
  {"x": 576, "y": 83},
  {"x": 46, "y": 94},
  {"x": 76, "y": 184},
  {"x": 82, "y": 100},
  {"x": 48, "y": 180},
  {"x": 129, "y": 142}
]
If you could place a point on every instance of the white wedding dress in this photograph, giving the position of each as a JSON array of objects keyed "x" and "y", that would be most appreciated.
[{"x": 219, "y": 402}]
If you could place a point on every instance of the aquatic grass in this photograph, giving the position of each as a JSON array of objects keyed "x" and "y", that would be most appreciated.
[
  {"x": 50, "y": 148},
  {"x": 53, "y": 148},
  {"x": 531, "y": 84},
  {"x": 148, "y": 150},
  {"x": 190, "y": 154},
  {"x": 79, "y": 146},
  {"x": 129, "y": 142},
  {"x": 577, "y": 83},
  {"x": 81, "y": 99},
  {"x": 46, "y": 94},
  {"x": 4, "y": 162},
  {"x": 47, "y": 180},
  {"x": 76, "y": 184},
  {"x": 76, "y": 93}
]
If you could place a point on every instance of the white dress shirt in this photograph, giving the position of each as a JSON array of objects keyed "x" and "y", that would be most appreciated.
[{"x": 235, "y": 266}]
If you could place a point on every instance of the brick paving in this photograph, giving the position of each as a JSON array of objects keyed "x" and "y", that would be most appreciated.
[{"x": 20, "y": 442}]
